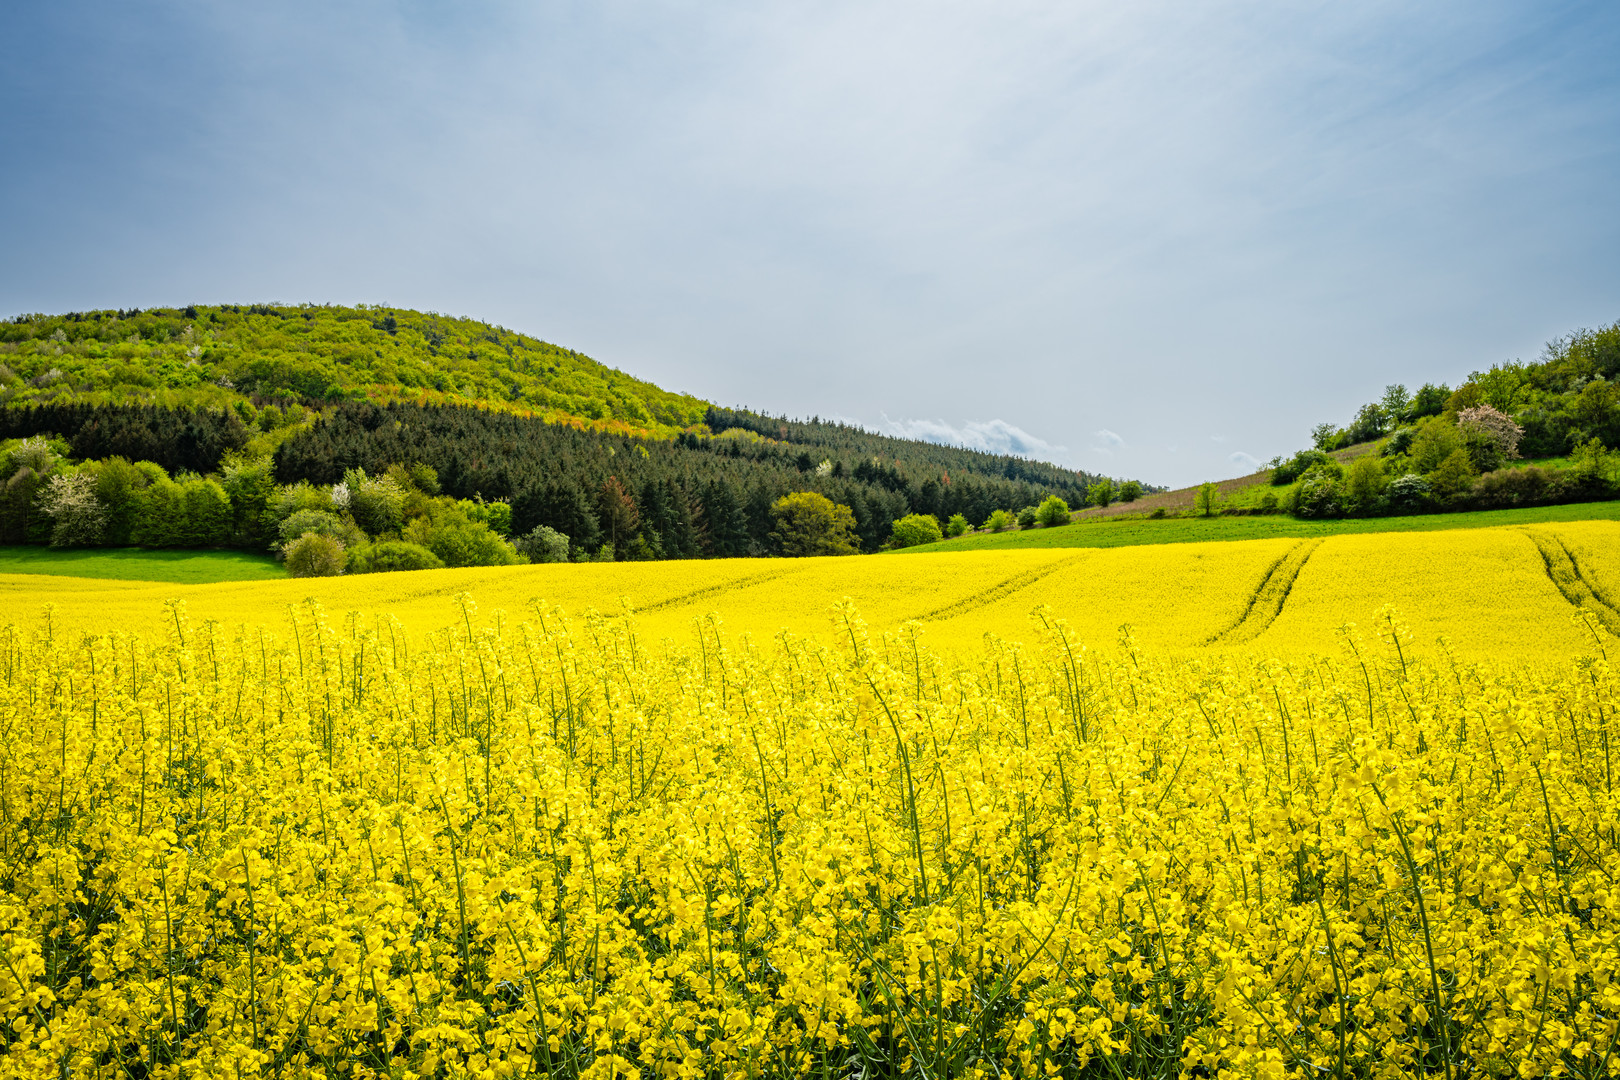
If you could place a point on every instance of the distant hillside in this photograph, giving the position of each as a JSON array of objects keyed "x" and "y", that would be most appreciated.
[
  {"x": 218, "y": 356},
  {"x": 314, "y": 393}
]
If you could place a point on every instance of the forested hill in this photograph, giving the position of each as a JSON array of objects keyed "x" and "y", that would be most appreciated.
[
  {"x": 312, "y": 393},
  {"x": 314, "y": 354}
]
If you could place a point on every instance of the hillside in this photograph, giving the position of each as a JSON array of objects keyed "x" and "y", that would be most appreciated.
[
  {"x": 311, "y": 354},
  {"x": 318, "y": 401}
]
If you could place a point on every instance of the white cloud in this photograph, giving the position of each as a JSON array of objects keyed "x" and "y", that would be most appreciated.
[
  {"x": 1217, "y": 438},
  {"x": 990, "y": 436},
  {"x": 1106, "y": 442},
  {"x": 1248, "y": 461}
]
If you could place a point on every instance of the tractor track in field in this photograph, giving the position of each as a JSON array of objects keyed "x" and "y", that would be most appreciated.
[
  {"x": 1564, "y": 571},
  {"x": 713, "y": 590},
  {"x": 1266, "y": 603},
  {"x": 998, "y": 591}
]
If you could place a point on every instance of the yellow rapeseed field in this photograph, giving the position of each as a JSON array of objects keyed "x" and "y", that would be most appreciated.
[{"x": 1200, "y": 811}]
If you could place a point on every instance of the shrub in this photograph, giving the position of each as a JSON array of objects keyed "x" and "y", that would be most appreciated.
[
  {"x": 1026, "y": 517},
  {"x": 1410, "y": 492},
  {"x": 1590, "y": 461},
  {"x": 1515, "y": 487},
  {"x": 1398, "y": 443},
  {"x": 1287, "y": 471},
  {"x": 542, "y": 544},
  {"x": 1053, "y": 511},
  {"x": 497, "y": 515},
  {"x": 957, "y": 525},
  {"x": 321, "y": 522},
  {"x": 1317, "y": 496},
  {"x": 1130, "y": 491},
  {"x": 999, "y": 520},
  {"x": 377, "y": 503},
  {"x": 1101, "y": 493},
  {"x": 389, "y": 555},
  {"x": 314, "y": 555},
  {"x": 914, "y": 529},
  {"x": 459, "y": 542}
]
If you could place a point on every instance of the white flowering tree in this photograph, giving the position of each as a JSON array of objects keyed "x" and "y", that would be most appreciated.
[
  {"x": 78, "y": 519},
  {"x": 1484, "y": 422}
]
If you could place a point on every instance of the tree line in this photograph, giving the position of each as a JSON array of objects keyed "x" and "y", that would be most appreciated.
[
  {"x": 692, "y": 496},
  {"x": 400, "y": 486}
]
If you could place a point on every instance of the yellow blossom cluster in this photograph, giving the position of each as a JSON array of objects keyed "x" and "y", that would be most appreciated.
[{"x": 535, "y": 845}]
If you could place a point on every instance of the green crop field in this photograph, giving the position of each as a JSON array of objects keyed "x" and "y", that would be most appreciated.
[
  {"x": 1130, "y": 531},
  {"x": 141, "y": 564}
]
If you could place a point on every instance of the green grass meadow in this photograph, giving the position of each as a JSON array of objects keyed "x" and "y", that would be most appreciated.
[
  {"x": 1131, "y": 531},
  {"x": 141, "y": 564}
]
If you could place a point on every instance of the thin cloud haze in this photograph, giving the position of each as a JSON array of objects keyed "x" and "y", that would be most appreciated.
[{"x": 990, "y": 436}]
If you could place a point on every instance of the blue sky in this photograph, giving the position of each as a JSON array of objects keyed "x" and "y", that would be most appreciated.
[{"x": 1147, "y": 239}]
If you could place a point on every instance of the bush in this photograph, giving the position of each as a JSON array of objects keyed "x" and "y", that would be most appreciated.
[
  {"x": 1287, "y": 471},
  {"x": 322, "y": 523},
  {"x": 914, "y": 529},
  {"x": 386, "y": 556},
  {"x": 458, "y": 541},
  {"x": 1516, "y": 487},
  {"x": 957, "y": 525},
  {"x": 1101, "y": 493},
  {"x": 377, "y": 503},
  {"x": 1026, "y": 517},
  {"x": 1053, "y": 511},
  {"x": 1590, "y": 461},
  {"x": 1000, "y": 520},
  {"x": 1130, "y": 491},
  {"x": 1317, "y": 496},
  {"x": 314, "y": 555},
  {"x": 497, "y": 515},
  {"x": 542, "y": 544},
  {"x": 1398, "y": 443},
  {"x": 1410, "y": 492}
]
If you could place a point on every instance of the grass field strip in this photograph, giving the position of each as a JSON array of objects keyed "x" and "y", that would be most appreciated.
[{"x": 1268, "y": 599}]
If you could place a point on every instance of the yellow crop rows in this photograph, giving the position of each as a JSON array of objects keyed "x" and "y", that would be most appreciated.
[
  {"x": 250, "y": 834},
  {"x": 1486, "y": 590}
]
